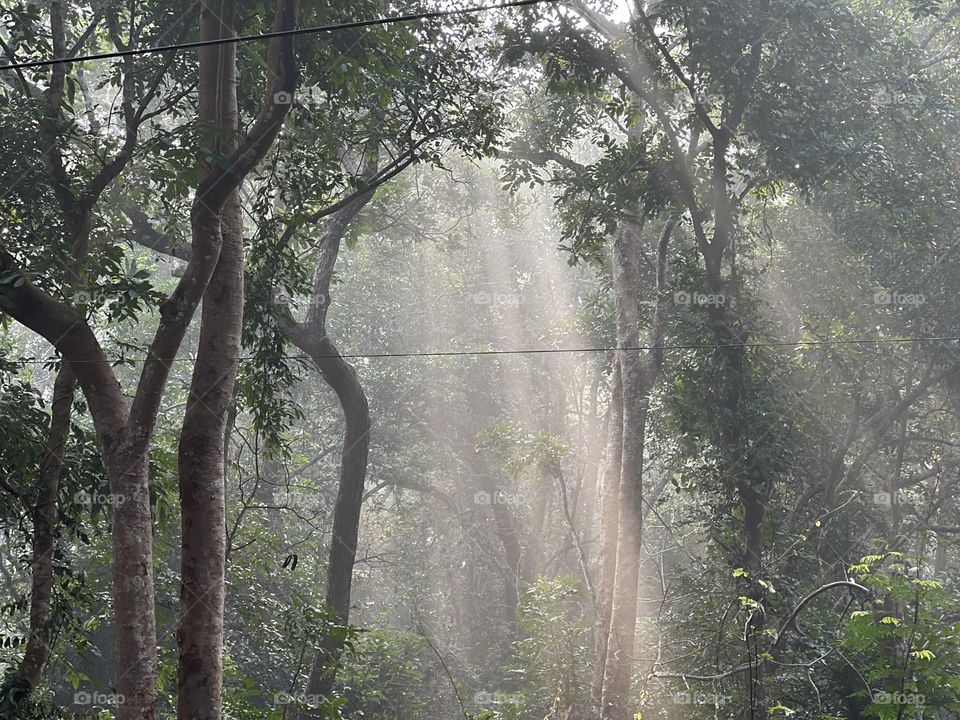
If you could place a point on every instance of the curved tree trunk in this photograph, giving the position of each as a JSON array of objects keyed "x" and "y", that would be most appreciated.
[
  {"x": 77, "y": 218},
  {"x": 124, "y": 427},
  {"x": 311, "y": 337},
  {"x": 342, "y": 377}
]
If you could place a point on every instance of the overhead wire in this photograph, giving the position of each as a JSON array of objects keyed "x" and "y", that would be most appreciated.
[
  {"x": 353, "y": 24},
  {"x": 552, "y": 351}
]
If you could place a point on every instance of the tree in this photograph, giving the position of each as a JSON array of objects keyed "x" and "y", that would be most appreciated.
[{"x": 124, "y": 429}]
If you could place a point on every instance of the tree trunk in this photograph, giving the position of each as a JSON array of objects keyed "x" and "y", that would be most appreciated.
[
  {"x": 637, "y": 375},
  {"x": 77, "y": 218},
  {"x": 218, "y": 225},
  {"x": 38, "y": 649},
  {"x": 201, "y": 471},
  {"x": 133, "y": 596},
  {"x": 201, "y": 451},
  {"x": 311, "y": 337},
  {"x": 588, "y": 492},
  {"x": 618, "y": 671},
  {"x": 124, "y": 429},
  {"x": 731, "y": 338},
  {"x": 346, "y": 514},
  {"x": 609, "y": 518}
]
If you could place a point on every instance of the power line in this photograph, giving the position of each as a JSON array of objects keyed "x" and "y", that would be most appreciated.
[
  {"x": 557, "y": 351},
  {"x": 277, "y": 33}
]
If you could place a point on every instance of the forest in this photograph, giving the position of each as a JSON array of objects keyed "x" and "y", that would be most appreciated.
[{"x": 528, "y": 360}]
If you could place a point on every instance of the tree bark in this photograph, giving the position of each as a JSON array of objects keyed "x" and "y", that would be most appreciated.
[
  {"x": 124, "y": 429},
  {"x": 609, "y": 518},
  {"x": 38, "y": 649},
  {"x": 638, "y": 374},
  {"x": 311, "y": 337},
  {"x": 201, "y": 472},
  {"x": 201, "y": 449},
  {"x": 615, "y": 695},
  {"x": 202, "y": 446},
  {"x": 77, "y": 212},
  {"x": 133, "y": 595},
  {"x": 346, "y": 514},
  {"x": 731, "y": 338}
]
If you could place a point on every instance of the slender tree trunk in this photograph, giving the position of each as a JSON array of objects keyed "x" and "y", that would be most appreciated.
[
  {"x": 124, "y": 429},
  {"x": 311, "y": 337},
  {"x": 38, "y": 648},
  {"x": 638, "y": 375},
  {"x": 509, "y": 534},
  {"x": 588, "y": 493},
  {"x": 77, "y": 218},
  {"x": 45, "y": 510},
  {"x": 731, "y": 339},
  {"x": 623, "y": 621},
  {"x": 609, "y": 518},
  {"x": 618, "y": 671},
  {"x": 201, "y": 451},
  {"x": 218, "y": 224},
  {"x": 346, "y": 515}
]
